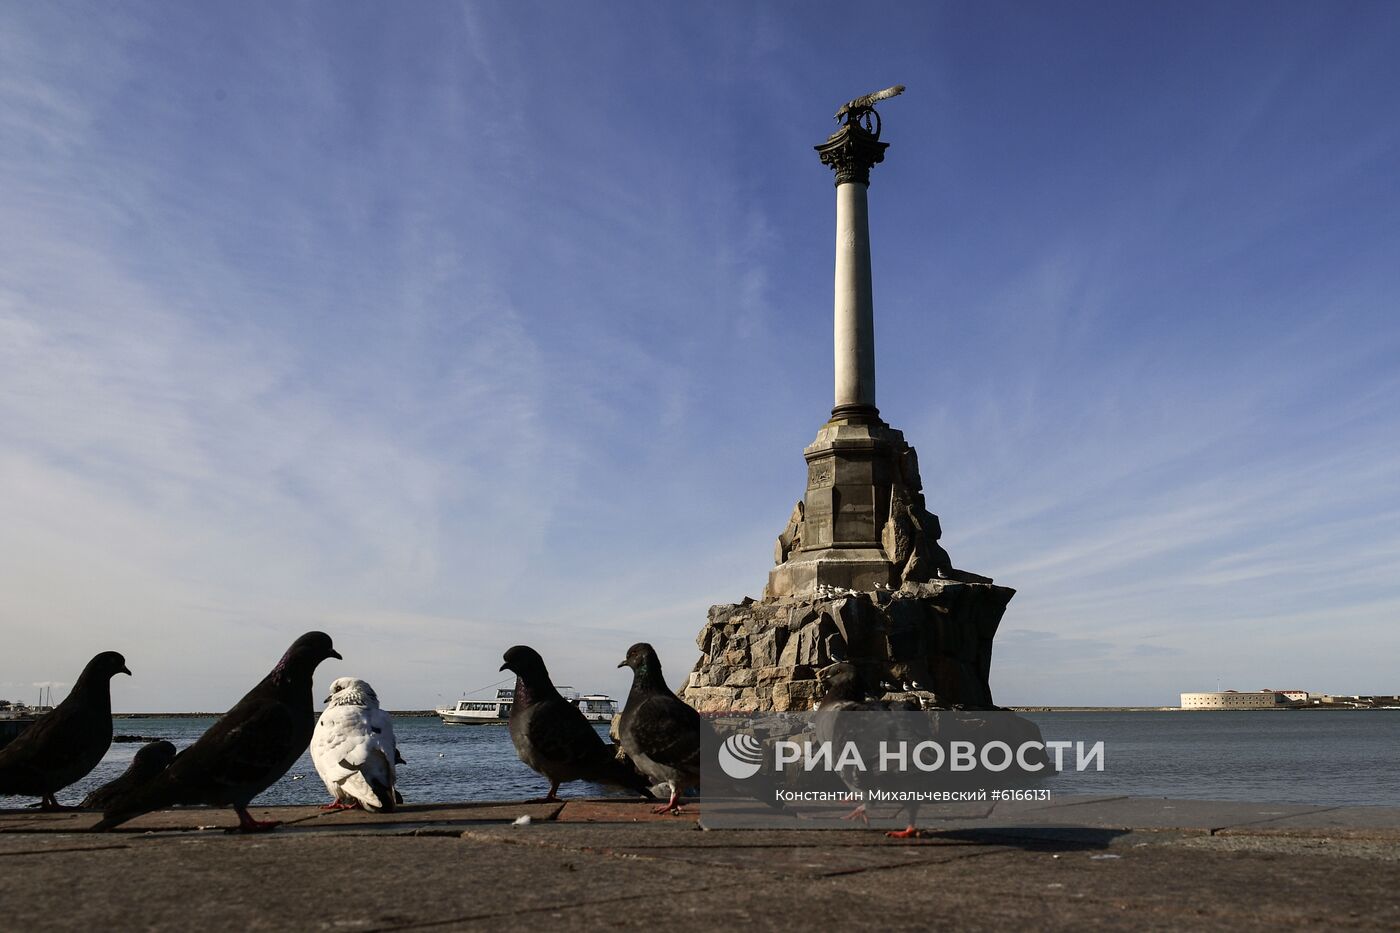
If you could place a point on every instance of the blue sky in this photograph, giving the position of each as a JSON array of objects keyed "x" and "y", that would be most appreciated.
[{"x": 444, "y": 327}]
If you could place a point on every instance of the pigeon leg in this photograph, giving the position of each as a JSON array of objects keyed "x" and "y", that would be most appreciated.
[
  {"x": 49, "y": 804},
  {"x": 858, "y": 814},
  {"x": 246, "y": 823},
  {"x": 670, "y": 806},
  {"x": 551, "y": 797},
  {"x": 340, "y": 805}
]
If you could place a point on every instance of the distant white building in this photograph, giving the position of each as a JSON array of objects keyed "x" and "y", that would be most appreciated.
[
  {"x": 1297, "y": 696},
  {"x": 1233, "y": 699}
]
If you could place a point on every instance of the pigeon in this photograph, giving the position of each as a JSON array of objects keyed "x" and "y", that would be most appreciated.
[
  {"x": 843, "y": 694},
  {"x": 354, "y": 749},
  {"x": 150, "y": 759},
  {"x": 247, "y": 750},
  {"x": 658, "y": 731},
  {"x": 65, "y": 744},
  {"x": 847, "y": 714},
  {"x": 552, "y": 736}
]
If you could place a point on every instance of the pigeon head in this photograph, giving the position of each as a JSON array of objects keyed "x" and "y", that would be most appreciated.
[
  {"x": 645, "y": 665},
  {"x": 524, "y": 661},
  {"x": 351, "y": 691},
  {"x": 303, "y": 656},
  {"x": 153, "y": 757},
  {"x": 314, "y": 647},
  {"x": 104, "y": 667},
  {"x": 532, "y": 677}
]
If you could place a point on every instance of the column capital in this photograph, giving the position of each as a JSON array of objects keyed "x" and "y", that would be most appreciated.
[{"x": 851, "y": 151}]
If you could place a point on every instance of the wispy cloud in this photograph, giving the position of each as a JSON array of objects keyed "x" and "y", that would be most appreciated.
[{"x": 456, "y": 328}]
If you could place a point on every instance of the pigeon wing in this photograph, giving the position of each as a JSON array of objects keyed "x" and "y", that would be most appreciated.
[
  {"x": 382, "y": 724},
  {"x": 251, "y": 750},
  {"x": 668, "y": 732},
  {"x": 563, "y": 735},
  {"x": 343, "y": 740},
  {"x": 70, "y": 739}
]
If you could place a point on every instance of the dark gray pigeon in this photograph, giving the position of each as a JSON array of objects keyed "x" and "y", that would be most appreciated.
[
  {"x": 844, "y": 693},
  {"x": 248, "y": 749},
  {"x": 64, "y": 745},
  {"x": 150, "y": 759},
  {"x": 848, "y": 714},
  {"x": 552, "y": 736},
  {"x": 659, "y": 732}
]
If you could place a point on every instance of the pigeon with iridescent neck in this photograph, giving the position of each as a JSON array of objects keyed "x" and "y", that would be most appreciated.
[
  {"x": 657, "y": 731},
  {"x": 248, "y": 749}
]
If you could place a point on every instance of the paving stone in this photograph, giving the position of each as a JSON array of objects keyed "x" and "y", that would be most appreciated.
[
  {"x": 1147, "y": 813},
  {"x": 627, "y": 811},
  {"x": 1338, "y": 822},
  {"x": 469, "y": 867}
]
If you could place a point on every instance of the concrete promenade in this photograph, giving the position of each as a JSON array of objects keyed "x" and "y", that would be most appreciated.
[{"x": 1075, "y": 862}]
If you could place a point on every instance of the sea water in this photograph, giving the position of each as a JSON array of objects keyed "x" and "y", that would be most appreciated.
[
  {"x": 1332, "y": 757},
  {"x": 1329, "y": 757}
]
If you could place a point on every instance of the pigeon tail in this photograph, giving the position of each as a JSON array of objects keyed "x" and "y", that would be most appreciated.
[
  {"x": 368, "y": 783},
  {"x": 384, "y": 793},
  {"x": 619, "y": 773}
]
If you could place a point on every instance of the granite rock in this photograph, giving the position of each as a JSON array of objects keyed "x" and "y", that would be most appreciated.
[{"x": 930, "y": 642}]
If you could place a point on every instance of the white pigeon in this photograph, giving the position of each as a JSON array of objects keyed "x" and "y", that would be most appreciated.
[{"x": 354, "y": 749}]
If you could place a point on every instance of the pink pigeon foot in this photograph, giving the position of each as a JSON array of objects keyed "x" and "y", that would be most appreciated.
[
  {"x": 670, "y": 806},
  {"x": 246, "y": 823}
]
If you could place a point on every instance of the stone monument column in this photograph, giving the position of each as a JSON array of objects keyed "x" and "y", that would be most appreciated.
[
  {"x": 859, "y": 575},
  {"x": 857, "y": 463},
  {"x": 851, "y": 151}
]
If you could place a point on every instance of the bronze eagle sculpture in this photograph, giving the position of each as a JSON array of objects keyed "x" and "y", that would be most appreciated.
[{"x": 862, "y": 105}]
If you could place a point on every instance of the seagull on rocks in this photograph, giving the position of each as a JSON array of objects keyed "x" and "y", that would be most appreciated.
[
  {"x": 354, "y": 749},
  {"x": 552, "y": 736},
  {"x": 66, "y": 743},
  {"x": 246, "y": 751},
  {"x": 658, "y": 731}
]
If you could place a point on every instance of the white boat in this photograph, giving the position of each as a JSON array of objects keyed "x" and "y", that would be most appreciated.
[
  {"x": 478, "y": 712},
  {"x": 596, "y": 707}
]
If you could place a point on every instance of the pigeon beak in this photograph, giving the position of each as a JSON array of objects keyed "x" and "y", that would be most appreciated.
[
  {"x": 336, "y": 654},
  {"x": 622, "y": 663},
  {"x": 327, "y": 699},
  {"x": 125, "y": 671},
  {"x": 503, "y": 667}
]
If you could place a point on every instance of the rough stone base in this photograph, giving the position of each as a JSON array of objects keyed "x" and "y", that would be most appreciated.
[{"x": 932, "y": 641}]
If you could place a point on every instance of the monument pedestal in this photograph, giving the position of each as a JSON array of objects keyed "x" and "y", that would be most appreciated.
[
  {"x": 930, "y": 642},
  {"x": 862, "y": 524}
]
